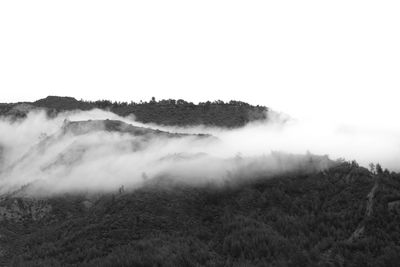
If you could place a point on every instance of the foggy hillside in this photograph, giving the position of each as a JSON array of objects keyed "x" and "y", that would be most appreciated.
[{"x": 171, "y": 183}]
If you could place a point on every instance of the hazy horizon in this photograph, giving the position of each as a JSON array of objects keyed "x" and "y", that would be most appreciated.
[{"x": 311, "y": 59}]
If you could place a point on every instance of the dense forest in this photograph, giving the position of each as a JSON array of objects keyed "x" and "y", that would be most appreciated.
[
  {"x": 347, "y": 216},
  {"x": 164, "y": 112}
]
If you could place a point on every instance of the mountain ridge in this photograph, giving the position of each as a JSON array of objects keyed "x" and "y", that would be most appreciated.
[{"x": 169, "y": 112}]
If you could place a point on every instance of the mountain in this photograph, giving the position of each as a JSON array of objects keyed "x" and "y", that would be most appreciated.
[
  {"x": 318, "y": 212},
  {"x": 165, "y": 112},
  {"x": 62, "y": 103}
]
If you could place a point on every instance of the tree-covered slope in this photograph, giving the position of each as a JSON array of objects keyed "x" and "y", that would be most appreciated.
[
  {"x": 165, "y": 112},
  {"x": 294, "y": 220}
]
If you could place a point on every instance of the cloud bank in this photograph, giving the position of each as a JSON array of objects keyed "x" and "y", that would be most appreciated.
[{"x": 84, "y": 152}]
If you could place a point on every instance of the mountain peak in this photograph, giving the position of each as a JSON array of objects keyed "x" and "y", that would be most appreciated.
[{"x": 62, "y": 103}]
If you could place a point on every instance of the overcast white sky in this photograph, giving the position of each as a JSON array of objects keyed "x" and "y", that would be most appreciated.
[{"x": 307, "y": 58}]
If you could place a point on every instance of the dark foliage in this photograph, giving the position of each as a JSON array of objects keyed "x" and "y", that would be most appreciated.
[
  {"x": 62, "y": 103},
  {"x": 302, "y": 220},
  {"x": 4, "y": 108},
  {"x": 182, "y": 113},
  {"x": 165, "y": 112}
]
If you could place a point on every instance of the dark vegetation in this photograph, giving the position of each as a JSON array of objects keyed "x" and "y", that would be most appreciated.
[
  {"x": 164, "y": 112},
  {"x": 298, "y": 220}
]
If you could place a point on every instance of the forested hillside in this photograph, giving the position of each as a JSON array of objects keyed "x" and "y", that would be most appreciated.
[
  {"x": 347, "y": 216},
  {"x": 164, "y": 112}
]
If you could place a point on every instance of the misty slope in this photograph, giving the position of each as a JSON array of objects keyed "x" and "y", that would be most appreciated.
[
  {"x": 293, "y": 220},
  {"x": 77, "y": 142},
  {"x": 165, "y": 112},
  {"x": 83, "y": 127}
]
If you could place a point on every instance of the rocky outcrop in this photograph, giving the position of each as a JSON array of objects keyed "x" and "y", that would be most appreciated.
[{"x": 369, "y": 209}]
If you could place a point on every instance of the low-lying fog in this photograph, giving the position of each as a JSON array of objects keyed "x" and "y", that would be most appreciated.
[{"x": 43, "y": 156}]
